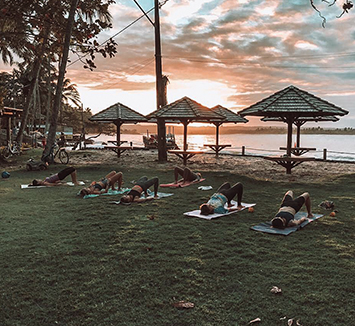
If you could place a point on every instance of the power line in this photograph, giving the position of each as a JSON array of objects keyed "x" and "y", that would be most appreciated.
[
  {"x": 140, "y": 68},
  {"x": 119, "y": 32},
  {"x": 245, "y": 63},
  {"x": 316, "y": 56}
]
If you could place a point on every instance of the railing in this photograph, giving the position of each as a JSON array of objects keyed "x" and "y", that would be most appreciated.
[{"x": 320, "y": 155}]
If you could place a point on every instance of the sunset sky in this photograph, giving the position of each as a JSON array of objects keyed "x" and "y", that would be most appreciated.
[{"x": 228, "y": 52}]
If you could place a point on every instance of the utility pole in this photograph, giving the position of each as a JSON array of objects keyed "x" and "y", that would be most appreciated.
[{"x": 162, "y": 155}]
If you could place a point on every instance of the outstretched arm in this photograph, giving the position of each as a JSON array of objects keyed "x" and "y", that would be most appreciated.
[
  {"x": 142, "y": 200},
  {"x": 238, "y": 208},
  {"x": 297, "y": 222}
]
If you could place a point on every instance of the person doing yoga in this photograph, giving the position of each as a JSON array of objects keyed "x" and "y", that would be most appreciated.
[
  {"x": 102, "y": 186},
  {"x": 140, "y": 186},
  {"x": 187, "y": 175},
  {"x": 285, "y": 217},
  {"x": 224, "y": 194},
  {"x": 55, "y": 179}
]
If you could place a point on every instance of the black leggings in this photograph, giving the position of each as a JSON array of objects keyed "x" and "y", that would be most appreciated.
[
  {"x": 145, "y": 184},
  {"x": 296, "y": 204},
  {"x": 187, "y": 174},
  {"x": 230, "y": 192},
  {"x": 64, "y": 173}
]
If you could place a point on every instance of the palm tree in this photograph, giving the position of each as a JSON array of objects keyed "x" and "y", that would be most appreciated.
[
  {"x": 70, "y": 95},
  {"x": 87, "y": 10}
]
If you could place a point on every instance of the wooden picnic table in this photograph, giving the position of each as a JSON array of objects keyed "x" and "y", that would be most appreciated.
[
  {"x": 115, "y": 142},
  {"x": 118, "y": 149},
  {"x": 217, "y": 147},
  {"x": 185, "y": 154},
  {"x": 298, "y": 151},
  {"x": 289, "y": 162}
]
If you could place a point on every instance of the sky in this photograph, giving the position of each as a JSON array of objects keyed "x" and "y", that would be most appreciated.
[{"x": 227, "y": 52}]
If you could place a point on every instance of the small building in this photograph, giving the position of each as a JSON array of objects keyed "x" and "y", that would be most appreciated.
[{"x": 8, "y": 123}]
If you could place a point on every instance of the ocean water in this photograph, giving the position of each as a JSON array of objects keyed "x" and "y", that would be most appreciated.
[{"x": 339, "y": 147}]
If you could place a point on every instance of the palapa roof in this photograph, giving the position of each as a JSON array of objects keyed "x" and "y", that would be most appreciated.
[
  {"x": 185, "y": 109},
  {"x": 118, "y": 112},
  {"x": 229, "y": 116},
  {"x": 295, "y": 102}
]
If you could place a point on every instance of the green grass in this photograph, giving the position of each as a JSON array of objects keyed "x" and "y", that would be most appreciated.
[{"x": 69, "y": 261}]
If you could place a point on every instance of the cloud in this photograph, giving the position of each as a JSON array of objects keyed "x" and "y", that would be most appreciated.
[{"x": 250, "y": 49}]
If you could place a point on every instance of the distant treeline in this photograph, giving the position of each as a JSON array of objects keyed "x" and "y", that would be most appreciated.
[{"x": 192, "y": 130}]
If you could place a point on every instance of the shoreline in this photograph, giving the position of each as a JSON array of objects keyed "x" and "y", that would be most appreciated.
[{"x": 250, "y": 166}]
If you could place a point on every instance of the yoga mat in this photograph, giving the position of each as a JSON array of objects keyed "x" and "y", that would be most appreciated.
[
  {"x": 266, "y": 226},
  {"x": 179, "y": 184},
  {"x": 196, "y": 213},
  {"x": 81, "y": 183},
  {"x": 110, "y": 192}
]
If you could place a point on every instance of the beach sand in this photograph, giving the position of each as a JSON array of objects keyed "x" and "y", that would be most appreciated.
[{"x": 254, "y": 167}]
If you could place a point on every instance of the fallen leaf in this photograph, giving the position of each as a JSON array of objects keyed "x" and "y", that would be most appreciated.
[
  {"x": 183, "y": 305},
  {"x": 290, "y": 322},
  {"x": 276, "y": 290},
  {"x": 298, "y": 323},
  {"x": 256, "y": 320}
]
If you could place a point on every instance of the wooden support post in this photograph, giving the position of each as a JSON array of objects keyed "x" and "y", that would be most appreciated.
[
  {"x": 289, "y": 135},
  {"x": 185, "y": 123},
  {"x": 243, "y": 150},
  {"x": 298, "y": 141},
  {"x": 324, "y": 154},
  {"x": 8, "y": 129},
  {"x": 118, "y": 136},
  {"x": 288, "y": 168},
  {"x": 217, "y": 138}
]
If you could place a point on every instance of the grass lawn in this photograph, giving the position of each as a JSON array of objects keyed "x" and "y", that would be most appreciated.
[{"x": 71, "y": 261}]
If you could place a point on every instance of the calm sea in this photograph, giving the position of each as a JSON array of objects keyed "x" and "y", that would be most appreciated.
[{"x": 339, "y": 147}]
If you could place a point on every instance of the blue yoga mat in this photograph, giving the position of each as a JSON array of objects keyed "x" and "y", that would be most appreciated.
[
  {"x": 150, "y": 194},
  {"x": 266, "y": 226},
  {"x": 110, "y": 192}
]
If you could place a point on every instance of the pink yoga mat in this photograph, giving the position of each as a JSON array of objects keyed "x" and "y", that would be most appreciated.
[{"x": 179, "y": 184}]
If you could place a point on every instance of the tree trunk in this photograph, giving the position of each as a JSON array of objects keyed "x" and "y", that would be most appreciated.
[
  {"x": 29, "y": 99},
  {"x": 49, "y": 95},
  {"x": 59, "y": 88},
  {"x": 36, "y": 71}
]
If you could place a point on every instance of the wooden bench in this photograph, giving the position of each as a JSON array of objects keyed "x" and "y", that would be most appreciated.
[
  {"x": 185, "y": 155},
  {"x": 289, "y": 162},
  {"x": 217, "y": 147},
  {"x": 298, "y": 151}
]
